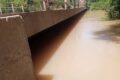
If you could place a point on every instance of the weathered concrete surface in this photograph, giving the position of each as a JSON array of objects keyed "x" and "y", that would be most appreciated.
[
  {"x": 15, "y": 57},
  {"x": 39, "y": 21}
]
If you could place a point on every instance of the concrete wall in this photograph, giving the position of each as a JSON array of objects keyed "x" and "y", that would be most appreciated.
[
  {"x": 15, "y": 57},
  {"x": 39, "y": 21}
]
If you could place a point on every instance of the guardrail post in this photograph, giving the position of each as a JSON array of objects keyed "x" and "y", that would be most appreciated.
[
  {"x": 44, "y": 5},
  {"x": 13, "y": 10},
  {"x": 22, "y": 7},
  {"x": 0, "y": 10},
  {"x": 65, "y": 4}
]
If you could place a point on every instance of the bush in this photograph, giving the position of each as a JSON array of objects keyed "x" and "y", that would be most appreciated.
[
  {"x": 113, "y": 10},
  {"x": 112, "y": 7},
  {"x": 98, "y": 6}
]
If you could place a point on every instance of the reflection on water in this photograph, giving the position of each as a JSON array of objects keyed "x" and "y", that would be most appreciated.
[
  {"x": 45, "y": 77},
  {"x": 110, "y": 34}
]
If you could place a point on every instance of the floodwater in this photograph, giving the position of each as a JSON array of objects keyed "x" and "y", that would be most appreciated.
[{"x": 85, "y": 47}]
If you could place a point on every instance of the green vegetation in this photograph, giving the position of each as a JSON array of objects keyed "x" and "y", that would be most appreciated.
[
  {"x": 13, "y": 6},
  {"x": 97, "y": 4},
  {"x": 112, "y": 7},
  {"x": 8, "y": 5}
]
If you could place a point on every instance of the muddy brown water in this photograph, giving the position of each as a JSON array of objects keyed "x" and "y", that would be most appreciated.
[{"x": 75, "y": 50}]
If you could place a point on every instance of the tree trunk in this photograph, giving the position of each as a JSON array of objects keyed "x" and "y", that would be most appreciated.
[
  {"x": 41, "y": 7},
  {"x": 74, "y": 3},
  {"x": 78, "y": 3}
]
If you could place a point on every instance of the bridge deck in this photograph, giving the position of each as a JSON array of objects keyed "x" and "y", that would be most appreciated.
[{"x": 83, "y": 51}]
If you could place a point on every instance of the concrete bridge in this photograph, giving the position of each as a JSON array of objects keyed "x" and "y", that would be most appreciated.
[
  {"x": 15, "y": 30},
  {"x": 70, "y": 44}
]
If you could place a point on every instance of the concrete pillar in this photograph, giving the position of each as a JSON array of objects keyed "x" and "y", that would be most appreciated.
[{"x": 15, "y": 57}]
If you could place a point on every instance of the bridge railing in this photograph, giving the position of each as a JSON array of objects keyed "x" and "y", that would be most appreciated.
[{"x": 42, "y": 5}]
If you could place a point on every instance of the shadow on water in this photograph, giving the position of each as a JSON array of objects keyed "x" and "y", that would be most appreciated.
[
  {"x": 44, "y": 44},
  {"x": 110, "y": 34}
]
